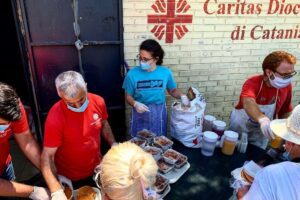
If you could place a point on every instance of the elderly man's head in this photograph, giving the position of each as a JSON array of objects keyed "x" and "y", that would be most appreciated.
[
  {"x": 71, "y": 87},
  {"x": 289, "y": 130}
]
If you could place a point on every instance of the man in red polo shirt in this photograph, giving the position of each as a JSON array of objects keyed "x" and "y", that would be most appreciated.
[
  {"x": 13, "y": 121},
  {"x": 265, "y": 97},
  {"x": 72, "y": 134}
]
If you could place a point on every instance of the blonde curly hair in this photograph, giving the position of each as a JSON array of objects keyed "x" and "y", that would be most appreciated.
[{"x": 124, "y": 170}]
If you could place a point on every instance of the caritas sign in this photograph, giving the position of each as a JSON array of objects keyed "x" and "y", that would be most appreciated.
[
  {"x": 171, "y": 17},
  {"x": 256, "y": 32}
]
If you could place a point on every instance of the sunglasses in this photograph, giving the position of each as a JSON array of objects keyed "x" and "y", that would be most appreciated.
[
  {"x": 143, "y": 59},
  {"x": 286, "y": 76}
]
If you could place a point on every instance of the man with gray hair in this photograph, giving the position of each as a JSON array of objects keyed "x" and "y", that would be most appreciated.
[{"x": 72, "y": 134}]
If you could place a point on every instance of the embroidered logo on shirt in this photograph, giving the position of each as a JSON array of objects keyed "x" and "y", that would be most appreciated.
[
  {"x": 150, "y": 84},
  {"x": 97, "y": 119},
  {"x": 95, "y": 116}
]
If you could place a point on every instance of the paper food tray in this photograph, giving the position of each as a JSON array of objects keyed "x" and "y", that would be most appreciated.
[
  {"x": 98, "y": 194},
  {"x": 166, "y": 191},
  {"x": 175, "y": 174}
]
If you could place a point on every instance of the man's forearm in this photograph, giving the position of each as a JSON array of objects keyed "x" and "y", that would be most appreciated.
[
  {"x": 107, "y": 133},
  {"x": 30, "y": 148},
  {"x": 49, "y": 172},
  {"x": 252, "y": 109},
  {"x": 33, "y": 153},
  {"x": 10, "y": 188}
]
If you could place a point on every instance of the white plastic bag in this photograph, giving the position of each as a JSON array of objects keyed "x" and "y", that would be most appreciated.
[{"x": 187, "y": 123}]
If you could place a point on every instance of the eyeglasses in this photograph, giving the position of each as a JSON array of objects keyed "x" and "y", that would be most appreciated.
[
  {"x": 286, "y": 76},
  {"x": 143, "y": 59}
]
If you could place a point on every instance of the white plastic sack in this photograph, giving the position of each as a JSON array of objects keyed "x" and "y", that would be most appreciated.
[{"x": 187, "y": 124}]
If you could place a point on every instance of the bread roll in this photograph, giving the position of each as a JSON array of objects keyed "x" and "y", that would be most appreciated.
[
  {"x": 86, "y": 193},
  {"x": 68, "y": 192},
  {"x": 246, "y": 176}
]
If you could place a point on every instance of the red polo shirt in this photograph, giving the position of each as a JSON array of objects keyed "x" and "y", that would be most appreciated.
[
  {"x": 16, "y": 127},
  {"x": 267, "y": 95},
  {"x": 77, "y": 137}
]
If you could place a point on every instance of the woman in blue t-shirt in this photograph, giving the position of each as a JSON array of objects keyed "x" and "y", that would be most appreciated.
[{"x": 145, "y": 87}]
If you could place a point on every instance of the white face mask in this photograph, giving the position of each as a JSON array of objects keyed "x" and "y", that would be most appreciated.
[{"x": 279, "y": 82}]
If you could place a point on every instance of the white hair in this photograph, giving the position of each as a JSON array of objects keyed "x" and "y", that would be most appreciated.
[
  {"x": 70, "y": 83},
  {"x": 124, "y": 168}
]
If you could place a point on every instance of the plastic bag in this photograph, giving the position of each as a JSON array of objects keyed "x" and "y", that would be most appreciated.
[{"x": 187, "y": 123}]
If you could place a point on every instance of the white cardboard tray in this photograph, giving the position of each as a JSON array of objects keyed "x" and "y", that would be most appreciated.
[
  {"x": 166, "y": 191},
  {"x": 175, "y": 174}
]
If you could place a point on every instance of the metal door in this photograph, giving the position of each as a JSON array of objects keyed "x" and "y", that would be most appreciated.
[{"x": 48, "y": 30}]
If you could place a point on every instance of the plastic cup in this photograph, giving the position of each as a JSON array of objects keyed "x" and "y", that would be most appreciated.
[
  {"x": 229, "y": 140},
  {"x": 208, "y": 122},
  {"x": 209, "y": 141},
  {"x": 218, "y": 127},
  {"x": 276, "y": 143}
]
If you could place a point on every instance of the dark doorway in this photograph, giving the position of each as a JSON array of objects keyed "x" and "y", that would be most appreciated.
[
  {"x": 12, "y": 71},
  {"x": 48, "y": 32}
]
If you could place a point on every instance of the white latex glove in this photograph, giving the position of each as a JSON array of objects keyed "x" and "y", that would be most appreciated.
[
  {"x": 184, "y": 100},
  {"x": 40, "y": 193},
  {"x": 140, "y": 107},
  {"x": 265, "y": 127},
  {"x": 58, "y": 195},
  {"x": 114, "y": 144},
  {"x": 65, "y": 181}
]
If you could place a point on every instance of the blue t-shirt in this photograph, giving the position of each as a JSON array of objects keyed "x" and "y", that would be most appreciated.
[{"x": 149, "y": 87}]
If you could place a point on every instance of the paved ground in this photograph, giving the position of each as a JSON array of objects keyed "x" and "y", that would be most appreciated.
[{"x": 24, "y": 170}]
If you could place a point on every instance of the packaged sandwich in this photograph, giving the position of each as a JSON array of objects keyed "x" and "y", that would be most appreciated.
[
  {"x": 245, "y": 174},
  {"x": 246, "y": 177},
  {"x": 190, "y": 94},
  {"x": 249, "y": 171}
]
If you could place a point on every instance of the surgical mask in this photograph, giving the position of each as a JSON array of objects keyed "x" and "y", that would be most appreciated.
[
  {"x": 81, "y": 109},
  {"x": 279, "y": 82},
  {"x": 286, "y": 155},
  {"x": 145, "y": 65},
  {"x": 4, "y": 127}
]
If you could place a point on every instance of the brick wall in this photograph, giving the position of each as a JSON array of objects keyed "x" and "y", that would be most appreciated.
[{"x": 206, "y": 57}]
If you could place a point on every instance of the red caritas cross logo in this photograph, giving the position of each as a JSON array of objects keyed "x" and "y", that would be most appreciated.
[{"x": 169, "y": 19}]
